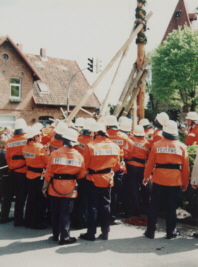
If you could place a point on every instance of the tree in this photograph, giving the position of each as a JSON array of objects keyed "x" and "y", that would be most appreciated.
[{"x": 175, "y": 68}]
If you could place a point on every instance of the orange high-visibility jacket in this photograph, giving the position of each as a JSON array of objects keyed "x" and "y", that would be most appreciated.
[
  {"x": 54, "y": 144},
  {"x": 168, "y": 152},
  {"x": 65, "y": 161},
  {"x": 157, "y": 135},
  {"x": 14, "y": 147},
  {"x": 192, "y": 136},
  {"x": 122, "y": 140},
  {"x": 47, "y": 134},
  {"x": 36, "y": 157},
  {"x": 83, "y": 140},
  {"x": 101, "y": 154},
  {"x": 140, "y": 151}
]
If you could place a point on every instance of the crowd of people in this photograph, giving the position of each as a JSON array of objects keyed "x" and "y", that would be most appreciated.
[{"x": 85, "y": 173}]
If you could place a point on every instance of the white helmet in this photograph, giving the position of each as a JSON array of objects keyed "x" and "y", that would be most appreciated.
[
  {"x": 126, "y": 125},
  {"x": 162, "y": 118},
  {"x": 170, "y": 127},
  {"x": 122, "y": 119},
  {"x": 98, "y": 126},
  {"x": 20, "y": 124},
  {"x": 38, "y": 125},
  {"x": 192, "y": 116},
  {"x": 110, "y": 120},
  {"x": 70, "y": 134},
  {"x": 144, "y": 122},
  {"x": 79, "y": 122},
  {"x": 61, "y": 127},
  {"x": 33, "y": 131},
  {"x": 139, "y": 130},
  {"x": 89, "y": 122}
]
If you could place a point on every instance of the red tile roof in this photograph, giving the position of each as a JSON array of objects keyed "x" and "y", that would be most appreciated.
[{"x": 57, "y": 74}]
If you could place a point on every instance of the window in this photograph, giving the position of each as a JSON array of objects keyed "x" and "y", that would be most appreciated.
[{"x": 15, "y": 88}]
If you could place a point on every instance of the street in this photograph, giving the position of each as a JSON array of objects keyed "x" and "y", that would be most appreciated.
[{"x": 126, "y": 247}]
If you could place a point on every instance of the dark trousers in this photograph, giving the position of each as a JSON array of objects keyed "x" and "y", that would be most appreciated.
[
  {"x": 21, "y": 196},
  {"x": 36, "y": 203},
  {"x": 171, "y": 195},
  {"x": 136, "y": 197},
  {"x": 116, "y": 193},
  {"x": 99, "y": 199},
  {"x": 61, "y": 208},
  {"x": 7, "y": 195}
]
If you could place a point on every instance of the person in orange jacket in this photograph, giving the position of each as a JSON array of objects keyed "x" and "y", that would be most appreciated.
[
  {"x": 102, "y": 157},
  {"x": 65, "y": 166},
  {"x": 137, "y": 195},
  {"x": 36, "y": 158},
  {"x": 125, "y": 144},
  {"x": 159, "y": 122},
  {"x": 192, "y": 123},
  {"x": 18, "y": 168},
  {"x": 168, "y": 165},
  {"x": 56, "y": 141}
]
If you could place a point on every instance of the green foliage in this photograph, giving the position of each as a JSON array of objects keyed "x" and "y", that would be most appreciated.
[{"x": 174, "y": 67}]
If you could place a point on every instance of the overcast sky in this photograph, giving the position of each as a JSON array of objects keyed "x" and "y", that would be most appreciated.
[{"x": 78, "y": 29}]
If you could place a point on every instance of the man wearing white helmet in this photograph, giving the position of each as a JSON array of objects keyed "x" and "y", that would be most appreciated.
[
  {"x": 36, "y": 158},
  {"x": 56, "y": 141},
  {"x": 136, "y": 195},
  {"x": 124, "y": 142},
  {"x": 65, "y": 166},
  {"x": 148, "y": 128},
  {"x": 102, "y": 157},
  {"x": 192, "y": 123},
  {"x": 159, "y": 122},
  {"x": 169, "y": 168},
  {"x": 18, "y": 168}
]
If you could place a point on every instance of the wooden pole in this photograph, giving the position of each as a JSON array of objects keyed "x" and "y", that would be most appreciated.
[
  {"x": 141, "y": 101},
  {"x": 124, "y": 91},
  {"x": 100, "y": 77},
  {"x": 135, "y": 92},
  {"x": 134, "y": 83}
]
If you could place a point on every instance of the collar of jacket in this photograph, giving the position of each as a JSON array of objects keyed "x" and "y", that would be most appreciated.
[
  {"x": 157, "y": 124},
  {"x": 170, "y": 136}
]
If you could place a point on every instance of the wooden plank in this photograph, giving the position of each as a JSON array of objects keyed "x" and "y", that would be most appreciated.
[{"x": 103, "y": 73}]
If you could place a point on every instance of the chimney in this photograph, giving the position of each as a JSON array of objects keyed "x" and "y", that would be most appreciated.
[
  {"x": 20, "y": 46},
  {"x": 43, "y": 54}
]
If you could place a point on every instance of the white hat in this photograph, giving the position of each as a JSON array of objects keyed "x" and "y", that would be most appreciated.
[
  {"x": 144, "y": 122},
  {"x": 20, "y": 124},
  {"x": 170, "y": 127},
  {"x": 139, "y": 130},
  {"x": 98, "y": 126},
  {"x": 192, "y": 116},
  {"x": 33, "y": 131},
  {"x": 126, "y": 125},
  {"x": 89, "y": 122},
  {"x": 110, "y": 120},
  {"x": 38, "y": 125},
  {"x": 70, "y": 134},
  {"x": 61, "y": 127},
  {"x": 79, "y": 122},
  {"x": 121, "y": 119},
  {"x": 162, "y": 118}
]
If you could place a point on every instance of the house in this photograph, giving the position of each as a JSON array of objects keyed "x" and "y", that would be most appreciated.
[
  {"x": 37, "y": 87},
  {"x": 180, "y": 17}
]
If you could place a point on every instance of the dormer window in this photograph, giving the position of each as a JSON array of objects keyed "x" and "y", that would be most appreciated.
[
  {"x": 15, "y": 88},
  {"x": 178, "y": 14}
]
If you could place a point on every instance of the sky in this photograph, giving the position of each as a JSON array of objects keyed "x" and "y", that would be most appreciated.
[{"x": 82, "y": 29}]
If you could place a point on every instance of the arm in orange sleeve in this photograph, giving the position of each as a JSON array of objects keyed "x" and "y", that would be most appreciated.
[
  {"x": 44, "y": 156},
  {"x": 82, "y": 172},
  {"x": 150, "y": 163},
  {"x": 49, "y": 171},
  {"x": 185, "y": 169}
]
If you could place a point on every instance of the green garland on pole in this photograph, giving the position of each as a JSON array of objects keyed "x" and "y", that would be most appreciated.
[{"x": 140, "y": 15}]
